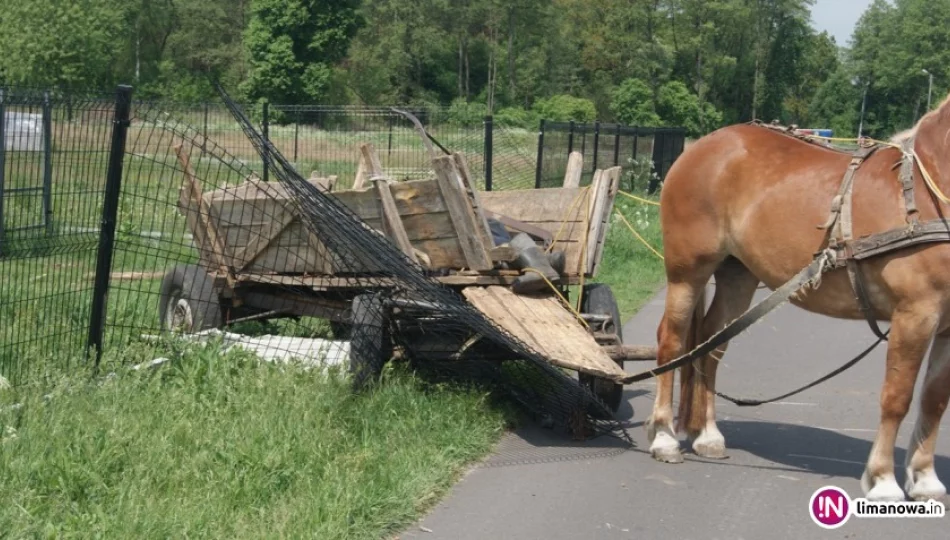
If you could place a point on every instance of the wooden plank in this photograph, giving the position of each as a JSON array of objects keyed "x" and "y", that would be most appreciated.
[
  {"x": 466, "y": 176},
  {"x": 246, "y": 254},
  {"x": 545, "y": 325},
  {"x": 503, "y": 254},
  {"x": 392, "y": 225},
  {"x": 535, "y": 205},
  {"x": 599, "y": 202},
  {"x": 198, "y": 214},
  {"x": 462, "y": 214},
  {"x": 600, "y": 237},
  {"x": 360, "y": 180},
  {"x": 575, "y": 168},
  {"x": 630, "y": 353},
  {"x": 374, "y": 167}
]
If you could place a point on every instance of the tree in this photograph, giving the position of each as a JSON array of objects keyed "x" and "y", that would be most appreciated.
[
  {"x": 293, "y": 46},
  {"x": 633, "y": 104}
]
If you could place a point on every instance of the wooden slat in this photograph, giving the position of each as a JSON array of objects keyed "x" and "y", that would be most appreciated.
[
  {"x": 597, "y": 224},
  {"x": 534, "y": 205},
  {"x": 462, "y": 213},
  {"x": 575, "y": 168},
  {"x": 246, "y": 254},
  {"x": 360, "y": 180},
  {"x": 392, "y": 225},
  {"x": 374, "y": 166},
  {"x": 544, "y": 324},
  {"x": 466, "y": 176},
  {"x": 199, "y": 215},
  {"x": 600, "y": 237}
]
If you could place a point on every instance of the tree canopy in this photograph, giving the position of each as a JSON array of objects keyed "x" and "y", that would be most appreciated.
[{"x": 699, "y": 64}]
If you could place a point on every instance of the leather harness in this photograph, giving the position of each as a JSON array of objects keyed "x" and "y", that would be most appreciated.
[{"x": 850, "y": 251}]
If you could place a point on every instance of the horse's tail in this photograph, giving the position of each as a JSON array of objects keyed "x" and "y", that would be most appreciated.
[{"x": 692, "y": 409}]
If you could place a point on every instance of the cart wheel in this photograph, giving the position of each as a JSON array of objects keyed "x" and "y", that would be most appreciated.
[
  {"x": 341, "y": 330},
  {"x": 188, "y": 301},
  {"x": 599, "y": 300},
  {"x": 370, "y": 340}
]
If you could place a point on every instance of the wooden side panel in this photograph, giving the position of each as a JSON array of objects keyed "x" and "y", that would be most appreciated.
[{"x": 545, "y": 325}]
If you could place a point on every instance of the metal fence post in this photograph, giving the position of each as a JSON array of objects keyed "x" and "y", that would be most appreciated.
[
  {"x": 204, "y": 142},
  {"x": 537, "y": 171},
  {"x": 110, "y": 208},
  {"x": 296, "y": 133},
  {"x": 3, "y": 158},
  {"x": 47, "y": 164},
  {"x": 489, "y": 142},
  {"x": 617, "y": 145},
  {"x": 266, "y": 133},
  {"x": 596, "y": 143},
  {"x": 570, "y": 139}
]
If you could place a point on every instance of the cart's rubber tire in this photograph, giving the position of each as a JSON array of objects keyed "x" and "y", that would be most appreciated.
[
  {"x": 188, "y": 301},
  {"x": 371, "y": 343},
  {"x": 599, "y": 299}
]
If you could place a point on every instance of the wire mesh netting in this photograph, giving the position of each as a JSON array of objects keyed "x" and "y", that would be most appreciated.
[
  {"x": 176, "y": 240},
  {"x": 53, "y": 161}
]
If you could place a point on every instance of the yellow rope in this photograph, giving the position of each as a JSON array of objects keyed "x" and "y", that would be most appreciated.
[
  {"x": 559, "y": 295},
  {"x": 640, "y": 199},
  {"x": 570, "y": 211},
  {"x": 635, "y": 233}
]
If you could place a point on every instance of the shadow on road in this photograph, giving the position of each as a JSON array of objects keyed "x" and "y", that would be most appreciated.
[{"x": 812, "y": 450}]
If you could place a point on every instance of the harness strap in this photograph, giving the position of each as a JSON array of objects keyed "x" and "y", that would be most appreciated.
[{"x": 809, "y": 276}]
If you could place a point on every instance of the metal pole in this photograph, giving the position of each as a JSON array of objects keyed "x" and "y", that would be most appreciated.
[
  {"x": 863, "y": 105},
  {"x": 110, "y": 208},
  {"x": 930, "y": 90},
  {"x": 389, "y": 148},
  {"x": 3, "y": 158},
  {"x": 617, "y": 145},
  {"x": 537, "y": 171},
  {"x": 596, "y": 143},
  {"x": 489, "y": 141},
  {"x": 47, "y": 164},
  {"x": 266, "y": 132},
  {"x": 570, "y": 138},
  {"x": 204, "y": 142},
  {"x": 296, "y": 133}
]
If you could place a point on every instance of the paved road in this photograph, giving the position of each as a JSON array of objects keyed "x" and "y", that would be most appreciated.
[{"x": 779, "y": 455}]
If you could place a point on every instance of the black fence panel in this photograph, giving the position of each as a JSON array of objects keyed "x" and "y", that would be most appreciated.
[{"x": 648, "y": 150}]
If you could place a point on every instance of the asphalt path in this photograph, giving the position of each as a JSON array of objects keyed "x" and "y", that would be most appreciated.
[{"x": 539, "y": 485}]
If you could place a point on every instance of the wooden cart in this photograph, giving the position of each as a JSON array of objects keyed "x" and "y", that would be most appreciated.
[{"x": 258, "y": 261}]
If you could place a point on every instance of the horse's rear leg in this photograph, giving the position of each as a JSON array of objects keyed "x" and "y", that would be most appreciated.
[
  {"x": 922, "y": 483},
  {"x": 735, "y": 288},
  {"x": 682, "y": 296},
  {"x": 911, "y": 332}
]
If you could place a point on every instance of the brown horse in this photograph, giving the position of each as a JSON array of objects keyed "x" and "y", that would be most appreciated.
[{"x": 745, "y": 204}]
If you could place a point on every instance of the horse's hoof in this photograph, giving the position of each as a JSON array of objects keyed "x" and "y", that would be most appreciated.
[
  {"x": 926, "y": 487},
  {"x": 711, "y": 450},
  {"x": 668, "y": 456},
  {"x": 666, "y": 448},
  {"x": 884, "y": 490},
  {"x": 710, "y": 445}
]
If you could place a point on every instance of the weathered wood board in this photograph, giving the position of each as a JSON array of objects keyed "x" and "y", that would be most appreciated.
[{"x": 546, "y": 326}]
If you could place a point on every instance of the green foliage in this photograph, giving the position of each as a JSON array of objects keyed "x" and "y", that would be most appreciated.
[
  {"x": 61, "y": 43},
  {"x": 677, "y": 106},
  {"x": 563, "y": 108},
  {"x": 517, "y": 117},
  {"x": 293, "y": 45},
  {"x": 467, "y": 114},
  {"x": 633, "y": 104}
]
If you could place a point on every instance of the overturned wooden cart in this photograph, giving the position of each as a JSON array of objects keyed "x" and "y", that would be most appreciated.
[{"x": 258, "y": 261}]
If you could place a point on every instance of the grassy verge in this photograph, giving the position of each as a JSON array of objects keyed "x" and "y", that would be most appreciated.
[
  {"x": 218, "y": 445},
  {"x": 632, "y": 270}
]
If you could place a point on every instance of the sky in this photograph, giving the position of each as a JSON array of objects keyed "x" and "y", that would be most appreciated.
[{"x": 838, "y": 17}]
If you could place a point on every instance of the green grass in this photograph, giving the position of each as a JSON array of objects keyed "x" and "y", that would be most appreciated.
[
  {"x": 220, "y": 446},
  {"x": 633, "y": 272}
]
